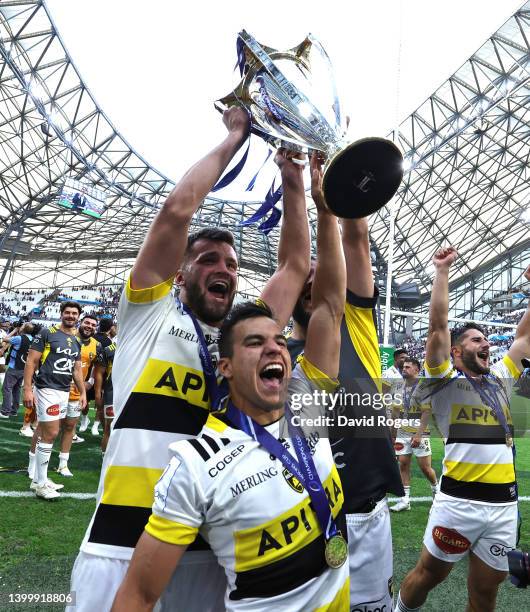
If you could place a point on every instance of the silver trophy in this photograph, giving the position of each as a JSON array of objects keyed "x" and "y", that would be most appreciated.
[{"x": 292, "y": 100}]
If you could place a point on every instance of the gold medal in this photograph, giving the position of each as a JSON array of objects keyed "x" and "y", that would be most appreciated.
[{"x": 336, "y": 551}]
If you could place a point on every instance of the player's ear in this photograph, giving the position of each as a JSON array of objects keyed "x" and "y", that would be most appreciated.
[{"x": 225, "y": 367}]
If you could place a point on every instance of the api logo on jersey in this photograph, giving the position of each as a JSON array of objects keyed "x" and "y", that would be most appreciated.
[
  {"x": 292, "y": 481},
  {"x": 53, "y": 410},
  {"x": 449, "y": 540}
]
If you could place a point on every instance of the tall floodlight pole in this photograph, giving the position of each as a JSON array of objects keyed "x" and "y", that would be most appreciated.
[{"x": 389, "y": 269}]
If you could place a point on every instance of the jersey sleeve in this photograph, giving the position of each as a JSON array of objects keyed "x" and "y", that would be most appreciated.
[
  {"x": 179, "y": 507},
  {"x": 359, "y": 350},
  {"x": 507, "y": 372},
  {"x": 443, "y": 371},
  {"x": 39, "y": 341}
]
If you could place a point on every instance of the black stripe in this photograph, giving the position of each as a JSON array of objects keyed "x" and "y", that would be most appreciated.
[
  {"x": 161, "y": 413},
  {"x": 478, "y": 432},
  {"x": 453, "y": 440},
  {"x": 282, "y": 576},
  {"x": 479, "y": 491},
  {"x": 362, "y": 302},
  {"x": 123, "y": 526},
  {"x": 200, "y": 449},
  {"x": 211, "y": 443},
  {"x": 225, "y": 441}
]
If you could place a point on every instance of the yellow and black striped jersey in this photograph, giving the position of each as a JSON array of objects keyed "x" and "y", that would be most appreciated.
[
  {"x": 255, "y": 515},
  {"x": 59, "y": 351},
  {"x": 159, "y": 397},
  {"x": 478, "y": 465},
  {"x": 89, "y": 352},
  {"x": 106, "y": 359}
]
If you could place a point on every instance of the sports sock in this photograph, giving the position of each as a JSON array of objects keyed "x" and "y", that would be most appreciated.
[
  {"x": 401, "y": 607},
  {"x": 63, "y": 460},
  {"x": 31, "y": 465},
  {"x": 42, "y": 457},
  {"x": 407, "y": 494}
]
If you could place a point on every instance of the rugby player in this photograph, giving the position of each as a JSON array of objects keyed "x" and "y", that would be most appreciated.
[
  {"x": 365, "y": 458},
  {"x": 226, "y": 483},
  {"x": 56, "y": 353},
  {"x": 475, "y": 511},
  {"x": 90, "y": 348},
  {"x": 160, "y": 393},
  {"x": 19, "y": 341},
  {"x": 411, "y": 439},
  {"x": 103, "y": 390}
]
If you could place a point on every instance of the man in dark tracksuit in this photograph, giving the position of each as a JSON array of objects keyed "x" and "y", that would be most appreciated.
[{"x": 15, "y": 370}]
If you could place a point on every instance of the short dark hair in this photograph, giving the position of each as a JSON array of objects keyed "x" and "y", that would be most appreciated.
[
  {"x": 209, "y": 233},
  {"x": 458, "y": 332},
  {"x": 400, "y": 351},
  {"x": 105, "y": 325},
  {"x": 414, "y": 361},
  {"x": 90, "y": 316},
  {"x": 70, "y": 304},
  {"x": 241, "y": 312}
]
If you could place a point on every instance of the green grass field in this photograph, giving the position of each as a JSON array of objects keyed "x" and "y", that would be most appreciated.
[{"x": 39, "y": 540}]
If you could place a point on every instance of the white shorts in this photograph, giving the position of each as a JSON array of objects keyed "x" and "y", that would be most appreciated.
[
  {"x": 457, "y": 526},
  {"x": 197, "y": 585},
  {"x": 73, "y": 411},
  {"x": 402, "y": 446},
  {"x": 370, "y": 559},
  {"x": 108, "y": 411},
  {"x": 51, "y": 404}
]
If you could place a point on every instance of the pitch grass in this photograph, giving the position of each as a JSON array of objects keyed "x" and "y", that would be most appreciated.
[{"x": 39, "y": 540}]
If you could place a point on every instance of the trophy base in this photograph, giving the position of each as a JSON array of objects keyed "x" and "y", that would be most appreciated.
[{"x": 362, "y": 178}]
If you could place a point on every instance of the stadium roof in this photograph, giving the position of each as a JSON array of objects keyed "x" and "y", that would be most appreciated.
[{"x": 466, "y": 153}]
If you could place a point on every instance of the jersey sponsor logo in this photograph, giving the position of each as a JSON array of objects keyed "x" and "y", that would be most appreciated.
[
  {"x": 225, "y": 461},
  {"x": 398, "y": 446},
  {"x": 285, "y": 534},
  {"x": 109, "y": 412},
  {"x": 63, "y": 366},
  {"x": 53, "y": 410},
  {"x": 449, "y": 540},
  {"x": 253, "y": 481},
  {"x": 370, "y": 607},
  {"x": 465, "y": 414},
  {"x": 292, "y": 481}
]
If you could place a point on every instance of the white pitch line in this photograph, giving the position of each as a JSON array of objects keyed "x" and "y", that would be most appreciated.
[
  {"x": 15, "y": 443},
  {"x": 31, "y": 494},
  {"x": 429, "y": 499}
]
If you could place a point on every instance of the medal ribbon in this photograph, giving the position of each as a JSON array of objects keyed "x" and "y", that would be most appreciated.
[{"x": 304, "y": 469}]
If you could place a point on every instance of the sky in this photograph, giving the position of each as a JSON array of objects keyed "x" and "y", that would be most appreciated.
[{"x": 156, "y": 68}]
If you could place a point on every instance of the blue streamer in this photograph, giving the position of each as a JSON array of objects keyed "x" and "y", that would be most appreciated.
[
  {"x": 267, "y": 226},
  {"x": 250, "y": 186},
  {"x": 229, "y": 177},
  {"x": 270, "y": 200}
]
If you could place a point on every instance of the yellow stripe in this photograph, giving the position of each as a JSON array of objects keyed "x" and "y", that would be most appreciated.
[
  {"x": 441, "y": 369},
  {"x": 45, "y": 353},
  {"x": 341, "y": 601},
  {"x": 214, "y": 423},
  {"x": 173, "y": 380},
  {"x": 512, "y": 367},
  {"x": 318, "y": 377},
  {"x": 363, "y": 336},
  {"x": 150, "y": 294},
  {"x": 285, "y": 534},
  {"x": 130, "y": 486},
  {"x": 170, "y": 532},
  {"x": 480, "y": 472}
]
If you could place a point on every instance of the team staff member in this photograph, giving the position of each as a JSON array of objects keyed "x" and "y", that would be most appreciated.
[
  {"x": 365, "y": 458},
  {"x": 475, "y": 511},
  {"x": 159, "y": 389},
  {"x": 56, "y": 353},
  {"x": 408, "y": 439},
  {"x": 260, "y": 520},
  {"x": 90, "y": 348},
  {"x": 103, "y": 390},
  {"x": 19, "y": 341}
]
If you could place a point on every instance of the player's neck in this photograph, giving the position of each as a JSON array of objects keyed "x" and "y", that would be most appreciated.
[
  {"x": 67, "y": 330},
  {"x": 410, "y": 382},
  {"x": 299, "y": 332}
]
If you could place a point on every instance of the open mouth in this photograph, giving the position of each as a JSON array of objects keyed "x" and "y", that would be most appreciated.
[
  {"x": 272, "y": 375},
  {"x": 483, "y": 355},
  {"x": 219, "y": 289}
]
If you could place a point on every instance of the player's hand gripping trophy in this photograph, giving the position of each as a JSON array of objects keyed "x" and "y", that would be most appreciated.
[{"x": 292, "y": 101}]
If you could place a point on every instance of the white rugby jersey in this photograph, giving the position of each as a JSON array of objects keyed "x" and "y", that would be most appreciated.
[
  {"x": 159, "y": 397},
  {"x": 256, "y": 517},
  {"x": 478, "y": 465}
]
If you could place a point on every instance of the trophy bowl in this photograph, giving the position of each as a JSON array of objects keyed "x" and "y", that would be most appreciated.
[{"x": 292, "y": 100}]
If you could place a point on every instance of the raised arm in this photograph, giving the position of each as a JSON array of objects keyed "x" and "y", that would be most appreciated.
[
  {"x": 284, "y": 286},
  {"x": 356, "y": 245},
  {"x": 151, "y": 567},
  {"x": 328, "y": 293},
  {"x": 521, "y": 344},
  {"x": 438, "y": 347},
  {"x": 161, "y": 253}
]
